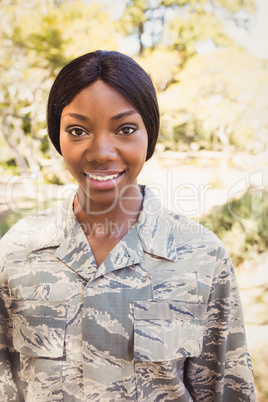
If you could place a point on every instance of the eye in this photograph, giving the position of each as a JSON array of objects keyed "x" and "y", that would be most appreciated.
[
  {"x": 76, "y": 131},
  {"x": 127, "y": 130}
]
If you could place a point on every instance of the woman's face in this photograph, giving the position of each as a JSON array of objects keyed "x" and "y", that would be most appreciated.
[{"x": 104, "y": 143}]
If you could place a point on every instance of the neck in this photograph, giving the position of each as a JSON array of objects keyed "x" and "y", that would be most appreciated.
[{"x": 112, "y": 223}]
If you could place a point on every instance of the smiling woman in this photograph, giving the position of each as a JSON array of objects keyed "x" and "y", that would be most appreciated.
[{"x": 111, "y": 297}]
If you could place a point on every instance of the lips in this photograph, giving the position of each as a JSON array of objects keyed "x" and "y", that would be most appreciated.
[{"x": 104, "y": 180}]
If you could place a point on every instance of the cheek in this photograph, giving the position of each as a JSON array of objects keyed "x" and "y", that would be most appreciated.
[
  {"x": 144, "y": 146},
  {"x": 63, "y": 143},
  {"x": 138, "y": 154},
  {"x": 68, "y": 151},
  {"x": 64, "y": 140}
]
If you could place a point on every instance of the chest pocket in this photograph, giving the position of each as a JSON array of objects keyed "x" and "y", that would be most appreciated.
[
  {"x": 167, "y": 330},
  {"x": 39, "y": 327}
]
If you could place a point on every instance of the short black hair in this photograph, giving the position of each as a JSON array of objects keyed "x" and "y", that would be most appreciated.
[{"x": 115, "y": 69}]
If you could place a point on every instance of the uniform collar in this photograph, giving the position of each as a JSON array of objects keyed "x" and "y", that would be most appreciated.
[
  {"x": 153, "y": 233},
  {"x": 156, "y": 228}
]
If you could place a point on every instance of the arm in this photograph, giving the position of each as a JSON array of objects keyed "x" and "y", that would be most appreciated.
[
  {"x": 10, "y": 384},
  {"x": 222, "y": 372}
]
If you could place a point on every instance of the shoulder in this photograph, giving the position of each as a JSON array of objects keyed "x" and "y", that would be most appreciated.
[
  {"x": 33, "y": 232},
  {"x": 189, "y": 230},
  {"x": 176, "y": 231},
  {"x": 191, "y": 235},
  {"x": 30, "y": 223}
]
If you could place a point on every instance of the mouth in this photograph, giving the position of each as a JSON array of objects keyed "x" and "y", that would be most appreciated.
[
  {"x": 104, "y": 182},
  {"x": 102, "y": 178}
]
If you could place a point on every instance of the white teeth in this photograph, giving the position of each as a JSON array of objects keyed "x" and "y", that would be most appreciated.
[{"x": 102, "y": 178}]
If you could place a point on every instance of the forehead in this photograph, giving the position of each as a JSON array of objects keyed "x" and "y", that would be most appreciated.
[{"x": 99, "y": 97}]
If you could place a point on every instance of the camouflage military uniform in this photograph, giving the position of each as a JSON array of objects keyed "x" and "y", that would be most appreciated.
[{"x": 159, "y": 320}]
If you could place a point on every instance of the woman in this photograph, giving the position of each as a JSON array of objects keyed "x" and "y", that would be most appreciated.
[{"x": 111, "y": 297}]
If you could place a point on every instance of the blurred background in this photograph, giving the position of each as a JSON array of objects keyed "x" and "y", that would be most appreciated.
[{"x": 208, "y": 60}]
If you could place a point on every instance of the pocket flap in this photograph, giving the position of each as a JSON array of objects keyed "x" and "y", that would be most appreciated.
[
  {"x": 165, "y": 331},
  {"x": 39, "y": 327},
  {"x": 170, "y": 284}
]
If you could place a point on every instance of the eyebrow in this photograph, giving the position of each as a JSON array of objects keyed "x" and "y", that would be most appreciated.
[
  {"x": 113, "y": 118},
  {"x": 77, "y": 116},
  {"x": 124, "y": 114}
]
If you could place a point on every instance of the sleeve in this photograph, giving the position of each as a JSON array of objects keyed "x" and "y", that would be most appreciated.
[
  {"x": 223, "y": 371},
  {"x": 10, "y": 384}
]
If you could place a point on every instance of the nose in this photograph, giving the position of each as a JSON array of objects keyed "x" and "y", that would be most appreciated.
[{"x": 102, "y": 149}]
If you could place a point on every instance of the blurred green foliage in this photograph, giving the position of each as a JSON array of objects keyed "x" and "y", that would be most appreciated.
[
  {"x": 242, "y": 225},
  {"x": 199, "y": 72}
]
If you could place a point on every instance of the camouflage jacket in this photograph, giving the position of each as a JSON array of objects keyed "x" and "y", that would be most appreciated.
[{"x": 159, "y": 320}]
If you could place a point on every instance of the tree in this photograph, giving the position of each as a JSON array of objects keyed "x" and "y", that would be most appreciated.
[
  {"x": 174, "y": 22},
  {"x": 226, "y": 93},
  {"x": 35, "y": 43}
]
